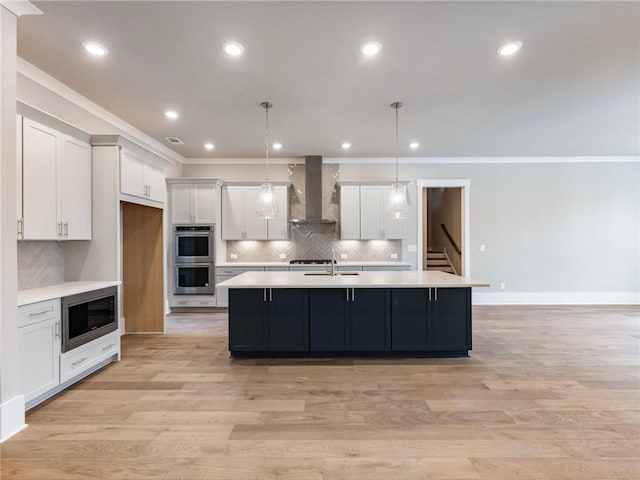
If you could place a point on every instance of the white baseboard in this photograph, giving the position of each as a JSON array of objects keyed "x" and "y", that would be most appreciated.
[
  {"x": 556, "y": 298},
  {"x": 12, "y": 417}
]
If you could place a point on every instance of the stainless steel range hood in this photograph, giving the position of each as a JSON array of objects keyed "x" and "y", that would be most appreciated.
[{"x": 313, "y": 192}]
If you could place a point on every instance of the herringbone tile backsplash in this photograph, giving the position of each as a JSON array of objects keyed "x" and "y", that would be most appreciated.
[
  {"x": 39, "y": 264},
  {"x": 313, "y": 241}
]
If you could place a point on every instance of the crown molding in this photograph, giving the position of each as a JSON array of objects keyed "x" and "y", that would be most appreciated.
[
  {"x": 243, "y": 161},
  {"x": 480, "y": 160},
  {"x": 21, "y": 7},
  {"x": 127, "y": 130}
]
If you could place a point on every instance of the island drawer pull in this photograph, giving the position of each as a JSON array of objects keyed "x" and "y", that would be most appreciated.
[
  {"x": 78, "y": 362},
  {"x": 41, "y": 312},
  {"x": 107, "y": 347}
]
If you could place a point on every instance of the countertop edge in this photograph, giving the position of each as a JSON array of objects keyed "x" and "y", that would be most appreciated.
[{"x": 50, "y": 292}]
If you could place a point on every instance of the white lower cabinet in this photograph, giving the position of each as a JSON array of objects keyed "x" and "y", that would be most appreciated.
[
  {"x": 39, "y": 347},
  {"x": 79, "y": 359},
  {"x": 43, "y": 368}
]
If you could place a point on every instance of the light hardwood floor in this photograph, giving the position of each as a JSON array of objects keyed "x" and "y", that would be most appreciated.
[{"x": 548, "y": 393}]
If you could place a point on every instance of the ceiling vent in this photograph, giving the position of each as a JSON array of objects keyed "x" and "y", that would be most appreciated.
[{"x": 174, "y": 140}]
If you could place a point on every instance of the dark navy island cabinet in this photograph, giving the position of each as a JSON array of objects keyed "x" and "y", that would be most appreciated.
[
  {"x": 436, "y": 320},
  {"x": 273, "y": 322},
  {"x": 350, "y": 319},
  {"x": 269, "y": 320}
]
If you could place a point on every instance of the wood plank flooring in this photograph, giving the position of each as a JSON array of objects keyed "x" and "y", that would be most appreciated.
[{"x": 548, "y": 393}]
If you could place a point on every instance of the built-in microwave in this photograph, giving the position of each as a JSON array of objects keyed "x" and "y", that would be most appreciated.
[
  {"x": 194, "y": 243},
  {"x": 87, "y": 316},
  {"x": 194, "y": 279}
]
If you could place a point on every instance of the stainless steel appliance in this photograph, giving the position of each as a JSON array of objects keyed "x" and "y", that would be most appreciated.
[
  {"x": 194, "y": 243},
  {"x": 194, "y": 279},
  {"x": 87, "y": 316}
]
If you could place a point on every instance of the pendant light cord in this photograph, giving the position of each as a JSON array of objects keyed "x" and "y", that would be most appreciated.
[
  {"x": 266, "y": 106},
  {"x": 397, "y": 107}
]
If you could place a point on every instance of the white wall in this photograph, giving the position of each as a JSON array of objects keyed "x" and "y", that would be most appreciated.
[{"x": 11, "y": 401}]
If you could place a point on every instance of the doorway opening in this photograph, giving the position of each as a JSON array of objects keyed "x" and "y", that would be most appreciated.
[
  {"x": 443, "y": 226},
  {"x": 142, "y": 269}
]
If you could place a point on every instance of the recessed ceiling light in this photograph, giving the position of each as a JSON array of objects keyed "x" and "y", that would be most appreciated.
[
  {"x": 95, "y": 49},
  {"x": 414, "y": 145},
  {"x": 277, "y": 146},
  {"x": 371, "y": 49},
  {"x": 171, "y": 114},
  {"x": 233, "y": 48},
  {"x": 209, "y": 146},
  {"x": 346, "y": 146},
  {"x": 509, "y": 48}
]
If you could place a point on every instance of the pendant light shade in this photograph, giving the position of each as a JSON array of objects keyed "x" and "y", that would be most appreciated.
[
  {"x": 397, "y": 198},
  {"x": 267, "y": 206}
]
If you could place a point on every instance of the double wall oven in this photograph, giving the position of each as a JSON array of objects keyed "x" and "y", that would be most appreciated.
[{"x": 194, "y": 259}]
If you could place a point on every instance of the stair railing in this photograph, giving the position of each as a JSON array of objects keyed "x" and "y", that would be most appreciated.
[{"x": 450, "y": 238}]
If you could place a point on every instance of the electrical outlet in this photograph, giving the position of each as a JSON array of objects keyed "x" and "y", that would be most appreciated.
[
  {"x": 282, "y": 255},
  {"x": 343, "y": 256},
  {"x": 482, "y": 247},
  {"x": 233, "y": 256},
  {"x": 502, "y": 285},
  {"x": 394, "y": 255}
]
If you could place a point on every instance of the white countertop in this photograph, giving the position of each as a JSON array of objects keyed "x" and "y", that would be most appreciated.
[
  {"x": 406, "y": 279},
  {"x": 60, "y": 290},
  {"x": 287, "y": 264}
]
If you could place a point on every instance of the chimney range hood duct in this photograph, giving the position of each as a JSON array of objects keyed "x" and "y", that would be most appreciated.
[{"x": 313, "y": 192}]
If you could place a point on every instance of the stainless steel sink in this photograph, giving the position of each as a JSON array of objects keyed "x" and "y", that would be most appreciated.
[{"x": 327, "y": 274}]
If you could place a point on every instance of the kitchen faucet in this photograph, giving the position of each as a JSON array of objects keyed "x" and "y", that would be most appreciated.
[{"x": 333, "y": 260}]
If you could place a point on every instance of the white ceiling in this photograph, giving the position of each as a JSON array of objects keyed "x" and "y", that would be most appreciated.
[{"x": 573, "y": 89}]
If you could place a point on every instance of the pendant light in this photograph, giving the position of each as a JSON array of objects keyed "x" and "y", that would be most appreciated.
[
  {"x": 397, "y": 199},
  {"x": 267, "y": 206}
]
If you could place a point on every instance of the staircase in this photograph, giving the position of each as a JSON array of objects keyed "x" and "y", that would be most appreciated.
[{"x": 439, "y": 260}]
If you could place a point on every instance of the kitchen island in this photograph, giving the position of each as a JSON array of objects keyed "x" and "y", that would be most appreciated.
[{"x": 314, "y": 314}]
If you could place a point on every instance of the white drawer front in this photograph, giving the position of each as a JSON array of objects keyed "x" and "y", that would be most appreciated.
[
  {"x": 38, "y": 312},
  {"x": 82, "y": 358}
]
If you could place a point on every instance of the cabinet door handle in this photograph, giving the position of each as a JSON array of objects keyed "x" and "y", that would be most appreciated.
[
  {"x": 436, "y": 292},
  {"x": 41, "y": 312},
  {"x": 264, "y": 294},
  {"x": 348, "y": 295},
  {"x": 57, "y": 333},
  {"x": 78, "y": 362},
  {"x": 353, "y": 294},
  {"x": 429, "y": 294},
  {"x": 59, "y": 229},
  {"x": 271, "y": 294},
  {"x": 66, "y": 229},
  {"x": 20, "y": 234},
  {"x": 107, "y": 347}
]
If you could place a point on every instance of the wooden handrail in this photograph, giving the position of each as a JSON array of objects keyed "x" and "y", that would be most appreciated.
[{"x": 448, "y": 235}]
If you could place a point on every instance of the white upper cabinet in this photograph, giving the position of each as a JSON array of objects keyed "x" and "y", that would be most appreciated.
[
  {"x": 193, "y": 203},
  {"x": 240, "y": 220},
  {"x": 363, "y": 214},
  {"x": 233, "y": 213},
  {"x": 75, "y": 194},
  {"x": 141, "y": 177},
  {"x": 56, "y": 185},
  {"x": 350, "y": 212}
]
